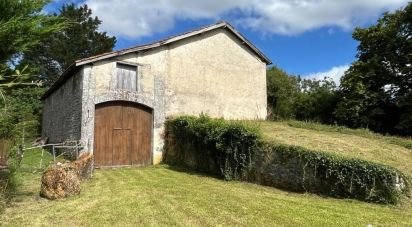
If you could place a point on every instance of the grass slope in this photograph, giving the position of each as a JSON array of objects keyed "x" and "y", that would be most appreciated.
[
  {"x": 350, "y": 143},
  {"x": 163, "y": 196}
]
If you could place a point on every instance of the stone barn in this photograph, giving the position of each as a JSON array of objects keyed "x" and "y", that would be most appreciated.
[{"x": 115, "y": 104}]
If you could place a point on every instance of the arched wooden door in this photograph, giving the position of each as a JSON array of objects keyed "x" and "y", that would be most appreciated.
[{"x": 122, "y": 134}]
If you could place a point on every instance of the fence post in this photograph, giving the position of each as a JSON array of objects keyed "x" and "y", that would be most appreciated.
[
  {"x": 54, "y": 154},
  {"x": 77, "y": 150},
  {"x": 41, "y": 160}
]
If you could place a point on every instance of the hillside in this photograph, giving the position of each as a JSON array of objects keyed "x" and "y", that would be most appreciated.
[{"x": 361, "y": 144}]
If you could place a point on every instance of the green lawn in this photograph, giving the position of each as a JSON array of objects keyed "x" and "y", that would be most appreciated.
[
  {"x": 160, "y": 195},
  {"x": 163, "y": 196}
]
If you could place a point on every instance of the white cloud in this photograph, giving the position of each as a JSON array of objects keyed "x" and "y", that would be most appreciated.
[
  {"x": 138, "y": 18},
  {"x": 335, "y": 73}
]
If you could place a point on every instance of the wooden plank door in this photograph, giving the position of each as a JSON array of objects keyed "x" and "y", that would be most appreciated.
[
  {"x": 107, "y": 117},
  {"x": 121, "y": 147},
  {"x": 139, "y": 121},
  {"x": 123, "y": 133}
]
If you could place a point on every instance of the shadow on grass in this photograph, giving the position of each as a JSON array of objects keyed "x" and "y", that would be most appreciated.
[
  {"x": 197, "y": 173},
  {"x": 190, "y": 171}
]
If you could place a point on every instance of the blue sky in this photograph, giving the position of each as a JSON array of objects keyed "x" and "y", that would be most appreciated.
[{"x": 312, "y": 38}]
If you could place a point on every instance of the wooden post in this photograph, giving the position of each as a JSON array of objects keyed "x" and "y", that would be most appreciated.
[{"x": 77, "y": 150}]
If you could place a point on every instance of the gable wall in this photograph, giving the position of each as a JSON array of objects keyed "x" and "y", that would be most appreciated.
[
  {"x": 215, "y": 74},
  {"x": 211, "y": 73}
]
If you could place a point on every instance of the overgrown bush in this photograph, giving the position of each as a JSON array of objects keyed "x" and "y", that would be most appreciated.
[
  {"x": 8, "y": 179},
  {"x": 230, "y": 144}
]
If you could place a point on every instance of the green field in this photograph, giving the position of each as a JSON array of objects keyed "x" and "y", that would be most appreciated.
[
  {"x": 342, "y": 141},
  {"x": 162, "y": 195}
]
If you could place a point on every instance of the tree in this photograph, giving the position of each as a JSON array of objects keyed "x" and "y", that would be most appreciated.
[
  {"x": 22, "y": 27},
  {"x": 303, "y": 99},
  {"x": 377, "y": 89},
  {"x": 281, "y": 92},
  {"x": 316, "y": 100},
  {"x": 79, "y": 40}
]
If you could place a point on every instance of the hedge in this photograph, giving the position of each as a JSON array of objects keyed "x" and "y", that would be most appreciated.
[
  {"x": 342, "y": 177},
  {"x": 234, "y": 147},
  {"x": 230, "y": 144}
]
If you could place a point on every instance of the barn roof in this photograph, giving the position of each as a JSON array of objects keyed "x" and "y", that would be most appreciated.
[{"x": 69, "y": 71}]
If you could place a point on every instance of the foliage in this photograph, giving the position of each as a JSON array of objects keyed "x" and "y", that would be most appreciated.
[
  {"x": 231, "y": 144},
  {"x": 282, "y": 90},
  {"x": 316, "y": 100},
  {"x": 303, "y": 99},
  {"x": 337, "y": 175},
  {"x": 376, "y": 90},
  {"x": 22, "y": 26},
  {"x": 21, "y": 120},
  {"x": 23, "y": 111},
  {"x": 80, "y": 39},
  {"x": 346, "y": 178}
]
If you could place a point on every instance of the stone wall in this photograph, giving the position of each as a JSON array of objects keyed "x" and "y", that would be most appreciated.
[
  {"x": 283, "y": 170},
  {"x": 189, "y": 155},
  {"x": 150, "y": 76},
  {"x": 286, "y": 167},
  {"x": 274, "y": 169},
  {"x": 62, "y": 111}
]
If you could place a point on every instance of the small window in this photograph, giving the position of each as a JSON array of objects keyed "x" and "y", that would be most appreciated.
[{"x": 126, "y": 77}]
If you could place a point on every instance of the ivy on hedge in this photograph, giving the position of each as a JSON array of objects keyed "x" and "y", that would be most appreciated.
[
  {"x": 347, "y": 177},
  {"x": 231, "y": 144}
]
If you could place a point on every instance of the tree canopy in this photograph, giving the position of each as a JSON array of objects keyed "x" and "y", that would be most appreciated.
[
  {"x": 303, "y": 99},
  {"x": 80, "y": 39},
  {"x": 22, "y": 28},
  {"x": 377, "y": 89}
]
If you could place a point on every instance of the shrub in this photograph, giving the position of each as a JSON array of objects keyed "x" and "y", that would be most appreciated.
[{"x": 231, "y": 144}]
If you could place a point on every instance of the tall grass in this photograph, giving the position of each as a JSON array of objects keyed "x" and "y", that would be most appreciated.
[{"x": 366, "y": 133}]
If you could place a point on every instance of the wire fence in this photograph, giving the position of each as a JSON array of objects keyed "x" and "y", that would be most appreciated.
[{"x": 41, "y": 154}]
